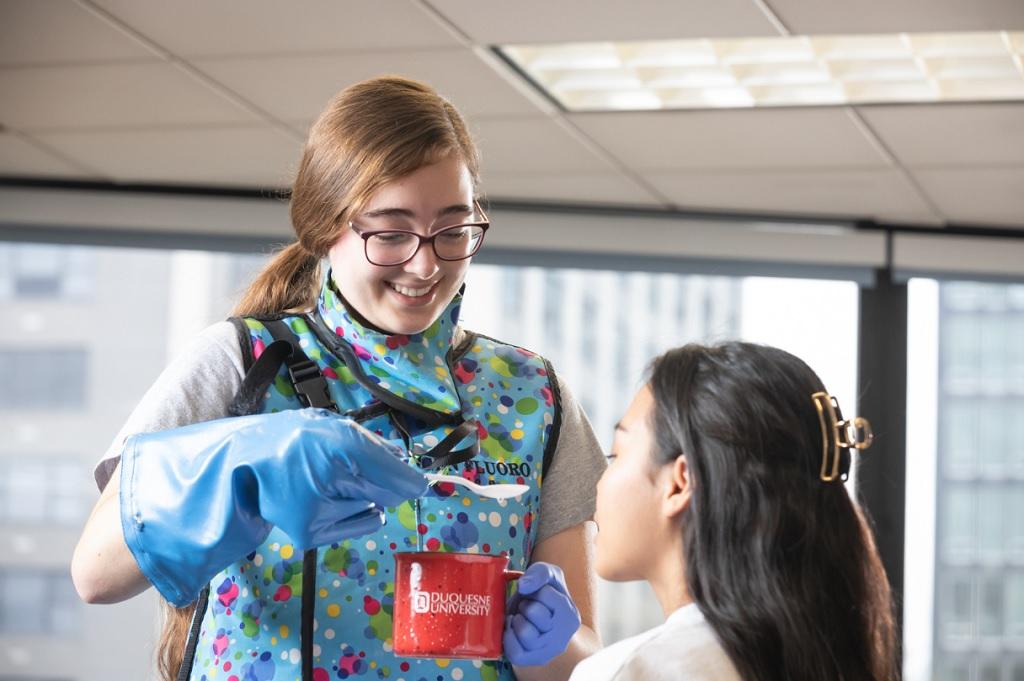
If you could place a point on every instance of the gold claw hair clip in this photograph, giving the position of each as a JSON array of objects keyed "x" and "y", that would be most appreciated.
[{"x": 855, "y": 433}]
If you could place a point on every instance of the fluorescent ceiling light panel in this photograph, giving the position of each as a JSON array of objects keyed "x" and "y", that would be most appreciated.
[{"x": 785, "y": 71}]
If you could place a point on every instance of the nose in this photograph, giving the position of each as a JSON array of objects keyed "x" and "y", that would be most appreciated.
[{"x": 424, "y": 263}]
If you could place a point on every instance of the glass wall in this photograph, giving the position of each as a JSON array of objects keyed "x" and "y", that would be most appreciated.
[
  {"x": 85, "y": 332},
  {"x": 88, "y": 329},
  {"x": 965, "y": 482}
]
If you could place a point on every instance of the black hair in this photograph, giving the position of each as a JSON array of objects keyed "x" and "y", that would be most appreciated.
[{"x": 782, "y": 564}]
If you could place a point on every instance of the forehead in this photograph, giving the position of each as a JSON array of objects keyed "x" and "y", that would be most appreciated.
[
  {"x": 634, "y": 424},
  {"x": 442, "y": 182},
  {"x": 639, "y": 409}
]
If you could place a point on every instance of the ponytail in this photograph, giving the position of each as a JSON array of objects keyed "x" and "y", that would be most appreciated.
[
  {"x": 173, "y": 636},
  {"x": 289, "y": 282}
]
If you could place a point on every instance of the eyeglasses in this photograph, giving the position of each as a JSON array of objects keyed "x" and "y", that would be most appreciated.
[{"x": 390, "y": 247}]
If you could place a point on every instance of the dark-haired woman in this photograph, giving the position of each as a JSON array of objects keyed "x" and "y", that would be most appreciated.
[{"x": 726, "y": 494}]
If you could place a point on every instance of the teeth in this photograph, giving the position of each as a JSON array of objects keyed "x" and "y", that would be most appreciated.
[{"x": 411, "y": 292}]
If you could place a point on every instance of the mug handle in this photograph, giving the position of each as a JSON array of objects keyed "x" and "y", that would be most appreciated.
[{"x": 512, "y": 575}]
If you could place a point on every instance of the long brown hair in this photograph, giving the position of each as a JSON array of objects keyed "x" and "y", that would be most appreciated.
[
  {"x": 370, "y": 134},
  {"x": 783, "y": 565}
]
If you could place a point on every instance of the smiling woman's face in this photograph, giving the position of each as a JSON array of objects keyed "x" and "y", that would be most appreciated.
[
  {"x": 629, "y": 518},
  {"x": 406, "y": 298}
]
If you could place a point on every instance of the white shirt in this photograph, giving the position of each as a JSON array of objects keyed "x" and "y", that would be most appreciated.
[{"x": 684, "y": 648}]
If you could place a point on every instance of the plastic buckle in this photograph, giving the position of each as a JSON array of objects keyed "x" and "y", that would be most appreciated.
[{"x": 310, "y": 385}]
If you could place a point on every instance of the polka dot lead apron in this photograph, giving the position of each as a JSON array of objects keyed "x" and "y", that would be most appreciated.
[{"x": 280, "y": 615}]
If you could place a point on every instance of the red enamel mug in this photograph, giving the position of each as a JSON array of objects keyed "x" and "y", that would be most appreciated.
[{"x": 450, "y": 605}]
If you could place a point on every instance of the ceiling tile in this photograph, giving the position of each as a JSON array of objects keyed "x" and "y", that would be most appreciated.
[
  {"x": 975, "y": 134},
  {"x": 574, "y": 187},
  {"x": 298, "y": 88},
  {"x": 538, "y": 21},
  {"x": 977, "y": 195},
  {"x": 755, "y": 139},
  {"x": 906, "y": 16},
  {"x": 239, "y": 156},
  {"x": 21, "y": 158},
  {"x": 139, "y": 94},
  {"x": 865, "y": 194},
  {"x": 524, "y": 145},
  {"x": 194, "y": 28},
  {"x": 60, "y": 31}
]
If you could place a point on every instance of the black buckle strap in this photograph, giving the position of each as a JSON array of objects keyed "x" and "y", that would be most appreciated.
[
  {"x": 367, "y": 412},
  {"x": 306, "y": 612},
  {"x": 310, "y": 384}
]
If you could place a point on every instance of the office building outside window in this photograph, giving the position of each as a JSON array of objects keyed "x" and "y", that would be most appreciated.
[
  {"x": 44, "y": 272},
  {"x": 974, "y": 484}
]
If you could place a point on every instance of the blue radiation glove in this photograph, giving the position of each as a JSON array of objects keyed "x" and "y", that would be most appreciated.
[
  {"x": 196, "y": 499},
  {"x": 540, "y": 617}
]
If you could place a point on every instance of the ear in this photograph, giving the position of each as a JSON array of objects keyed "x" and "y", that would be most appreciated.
[{"x": 677, "y": 487}]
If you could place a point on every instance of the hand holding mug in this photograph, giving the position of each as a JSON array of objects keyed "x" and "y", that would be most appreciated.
[{"x": 541, "y": 617}]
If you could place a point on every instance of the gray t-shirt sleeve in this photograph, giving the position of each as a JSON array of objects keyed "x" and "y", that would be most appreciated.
[
  {"x": 198, "y": 385},
  {"x": 569, "y": 491}
]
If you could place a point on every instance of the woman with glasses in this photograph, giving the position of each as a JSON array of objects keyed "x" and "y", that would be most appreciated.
[
  {"x": 266, "y": 479},
  {"x": 725, "y": 492}
]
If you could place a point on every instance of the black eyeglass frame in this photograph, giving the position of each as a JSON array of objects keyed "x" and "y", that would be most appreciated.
[{"x": 484, "y": 224}]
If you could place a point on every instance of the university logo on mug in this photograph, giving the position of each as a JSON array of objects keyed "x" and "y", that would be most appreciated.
[
  {"x": 420, "y": 602},
  {"x": 450, "y": 605}
]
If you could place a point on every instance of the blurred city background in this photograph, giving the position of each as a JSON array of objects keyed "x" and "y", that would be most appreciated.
[
  {"x": 89, "y": 328},
  {"x": 841, "y": 179}
]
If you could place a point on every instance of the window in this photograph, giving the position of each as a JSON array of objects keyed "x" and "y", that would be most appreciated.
[
  {"x": 961, "y": 430},
  {"x": 990, "y": 611},
  {"x": 991, "y": 439},
  {"x": 1014, "y": 527},
  {"x": 118, "y": 326},
  {"x": 959, "y": 602},
  {"x": 959, "y": 534},
  {"x": 955, "y": 672},
  {"x": 34, "y": 603},
  {"x": 1014, "y": 451},
  {"x": 39, "y": 272},
  {"x": 990, "y": 672},
  {"x": 46, "y": 490},
  {"x": 962, "y": 355},
  {"x": 553, "y": 313},
  {"x": 991, "y": 545},
  {"x": 964, "y": 468},
  {"x": 43, "y": 378},
  {"x": 1015, "y": 608}
]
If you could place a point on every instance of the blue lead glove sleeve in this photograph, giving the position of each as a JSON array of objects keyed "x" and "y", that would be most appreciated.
[
  {"x": 541, "y": 617},
  {"x": 196, "y": 499}
]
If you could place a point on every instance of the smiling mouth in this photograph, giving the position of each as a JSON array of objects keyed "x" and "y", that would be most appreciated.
[{"x": 412, "y": 292}]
